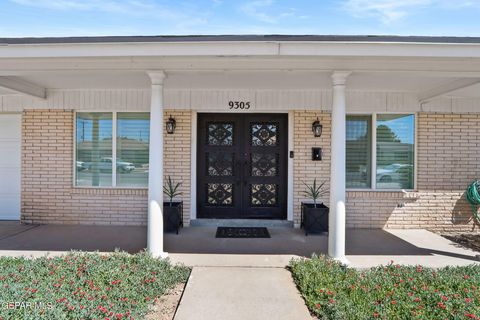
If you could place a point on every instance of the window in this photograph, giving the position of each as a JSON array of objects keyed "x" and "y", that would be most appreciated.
[
  {"x": 358, "y": 157},
  {"x": 133, "y": 133},
  {"x": 392, "y": 137},
  {"x": 94, "y": 149},
  {"x": 395, "y": 151},
  {"x": 98, "y": 162}
]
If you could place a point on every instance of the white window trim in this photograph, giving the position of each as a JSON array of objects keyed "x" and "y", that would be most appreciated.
[
  {"x": 373, "y": 187},
  {"x": 114, "y": 151}
]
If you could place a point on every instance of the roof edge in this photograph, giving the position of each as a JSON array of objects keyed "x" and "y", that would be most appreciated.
[{"x": 240, "y": 38}]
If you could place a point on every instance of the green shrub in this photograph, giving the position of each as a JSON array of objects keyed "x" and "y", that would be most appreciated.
[
  {"x": 388, "y": 292},
  {"x": 84, "y": 285}
]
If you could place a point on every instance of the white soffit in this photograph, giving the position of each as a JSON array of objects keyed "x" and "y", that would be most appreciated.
[
  {"x": 220, "y": 80},
  {"x": 391, "y": 81},
  {"x": 95, "y": 79},
  {"x": 469, "y": 92},
  {"x": 4, "y": 91},
  {"x": 108, "y": 79},
  {"x": 21, "y": 86}
]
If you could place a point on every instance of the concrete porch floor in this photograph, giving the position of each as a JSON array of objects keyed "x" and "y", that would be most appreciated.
[{"x": 197, "y": 246}]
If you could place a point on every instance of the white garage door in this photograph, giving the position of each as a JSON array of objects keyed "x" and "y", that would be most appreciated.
[{"x": 10, "y": 163}]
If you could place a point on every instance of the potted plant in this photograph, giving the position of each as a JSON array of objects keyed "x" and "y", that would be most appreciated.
[
  {"x": 172, "y": 210},
  {"x": 315, "y": 215}
]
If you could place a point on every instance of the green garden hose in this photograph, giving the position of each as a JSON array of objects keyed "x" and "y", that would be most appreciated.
[{"x": 473, "y": 196}]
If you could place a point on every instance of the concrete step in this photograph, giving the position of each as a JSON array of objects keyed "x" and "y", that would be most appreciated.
[{"x": 241, "y": 223}]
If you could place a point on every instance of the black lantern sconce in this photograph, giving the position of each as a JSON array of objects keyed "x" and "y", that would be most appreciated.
[
  {"x": 171, "y": 124},
  {"x": 317, "y": 128}
]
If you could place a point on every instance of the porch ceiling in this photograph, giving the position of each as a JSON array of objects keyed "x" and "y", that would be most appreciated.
[
  {"x": 468, "y": 92},
  {"x": 5, "y": 91},
  {"x": 374, "y": 81}
]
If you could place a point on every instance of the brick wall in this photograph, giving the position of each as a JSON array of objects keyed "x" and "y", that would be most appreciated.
[
  {"x": 304, "y": 169},
  {"x": 48, "y": 195},
  {"x": 449, "y": 150},
  {"x": 448, "y": 160},
  {"x": 177, "y": 157}
]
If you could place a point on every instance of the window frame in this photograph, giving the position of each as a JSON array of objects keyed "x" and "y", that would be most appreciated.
[
  {"x": 373, "y": 187},
  {"x": 114, "y": 150}
]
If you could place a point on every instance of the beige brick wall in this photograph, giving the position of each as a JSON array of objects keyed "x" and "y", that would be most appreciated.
[
  {"x": 304, "y": 169},
  {"x": 448, "y": 160},
  {"x": 48, "y": 195},
  {"x": 177, "y": 157},
  {"x": 449, "y": 150}
]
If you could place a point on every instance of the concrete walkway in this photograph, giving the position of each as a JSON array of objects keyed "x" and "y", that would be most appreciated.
[{"x": 218, "y": 293}]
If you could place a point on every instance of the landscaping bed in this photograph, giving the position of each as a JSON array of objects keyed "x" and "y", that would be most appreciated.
[
  {"x": 388, "y": 292},
  {"x": 88, "y": 286},
  {"x": 466, "y": 240}
]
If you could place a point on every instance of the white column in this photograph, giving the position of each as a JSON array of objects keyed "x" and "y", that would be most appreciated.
[
  {"x": 336, "y": 227},
  {"x": 155, "y": 171}
]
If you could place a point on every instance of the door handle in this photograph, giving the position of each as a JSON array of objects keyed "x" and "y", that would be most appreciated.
[{"x": 246, "y": 172}]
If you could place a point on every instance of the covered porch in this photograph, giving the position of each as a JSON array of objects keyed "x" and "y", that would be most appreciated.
[
  {"x": 197, "y": 246},
  {"x": 54, "y": 80}
]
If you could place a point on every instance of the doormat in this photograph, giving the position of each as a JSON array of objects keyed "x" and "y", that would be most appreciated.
[{"x": 242, "y": 232}]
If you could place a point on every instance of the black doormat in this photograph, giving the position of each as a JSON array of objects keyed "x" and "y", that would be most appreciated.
[{"x": 242, "y": 232}]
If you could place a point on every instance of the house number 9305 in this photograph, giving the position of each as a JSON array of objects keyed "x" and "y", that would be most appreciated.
[{"x": 244, "y": 105}]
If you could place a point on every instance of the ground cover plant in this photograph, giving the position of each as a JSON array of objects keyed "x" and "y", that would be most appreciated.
[
  {"x": 388, "y": 292},
  {"x": 85, "y": 286}
]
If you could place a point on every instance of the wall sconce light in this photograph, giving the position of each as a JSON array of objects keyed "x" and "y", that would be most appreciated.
[
  {"x": 317, "y": 128},
  {"x": 171, "y": 124}
]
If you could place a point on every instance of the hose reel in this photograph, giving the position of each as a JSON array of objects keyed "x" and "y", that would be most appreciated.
[{"x": 473, "y": 197}]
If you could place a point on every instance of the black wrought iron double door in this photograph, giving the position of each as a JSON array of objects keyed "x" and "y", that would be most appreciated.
[{"x": 242, "y": 166}]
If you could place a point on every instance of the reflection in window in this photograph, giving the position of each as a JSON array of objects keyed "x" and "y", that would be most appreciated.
[
  {"x": 94, "y": 149},
  {"x": 133, "y": 129},
  {"x": 395, "y": 151},
  {"x": 358, "y": 152}
]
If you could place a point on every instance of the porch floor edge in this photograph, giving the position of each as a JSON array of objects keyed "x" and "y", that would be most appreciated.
[{"x": 241, "y": 223}]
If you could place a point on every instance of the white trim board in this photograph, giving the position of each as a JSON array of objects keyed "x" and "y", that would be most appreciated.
[
  {"x": 10, "y": 166},
  {"x": 242, "y": 48},
  {"x": 290, "y": 171},
  {"x": 193, "y": 167}
]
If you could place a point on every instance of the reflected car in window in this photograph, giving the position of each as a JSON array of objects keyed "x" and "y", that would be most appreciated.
[
  {"x": 105, "y": 165},
  {"x": 81, "y": 166},
  {"x": 393, "y": 172}
]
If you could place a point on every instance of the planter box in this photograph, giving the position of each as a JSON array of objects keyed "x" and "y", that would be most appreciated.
[
  {"x": 172, "y": 216},
  {"x": 314, "y": 219}
]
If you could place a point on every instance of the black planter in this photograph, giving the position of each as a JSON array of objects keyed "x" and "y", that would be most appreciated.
[
  {"x": 172, "y": 216},
  {"x": 314, "y": 219}
]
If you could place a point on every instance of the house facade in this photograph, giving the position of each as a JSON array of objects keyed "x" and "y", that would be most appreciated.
[{"x": 83, "y": 136}]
